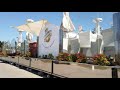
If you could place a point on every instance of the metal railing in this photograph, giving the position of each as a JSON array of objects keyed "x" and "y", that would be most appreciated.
[
  {"x": 19, "y": 61},
  {"x": 114, "y": 70},
  {"x": 57, "y": 69}
]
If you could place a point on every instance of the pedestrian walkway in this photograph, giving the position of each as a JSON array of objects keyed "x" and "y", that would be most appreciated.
[{"x": 9, "y": 71}]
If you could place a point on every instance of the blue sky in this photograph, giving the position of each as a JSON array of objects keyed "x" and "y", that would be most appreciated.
[{"x": 85, "y": 19}]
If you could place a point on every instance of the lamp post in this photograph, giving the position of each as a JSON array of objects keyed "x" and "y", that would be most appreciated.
[
  {"x": 97, "y": 31},
  {"x": 29, "y": 35},
  {"x": 20, "y": 35}
]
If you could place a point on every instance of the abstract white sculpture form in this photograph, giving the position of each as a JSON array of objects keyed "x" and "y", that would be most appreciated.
[
  {"x": 97, "y": 29},
  {"x": 29, "y": 37},
  {"x": 99, "y": 36},
  {"x": 66, "y": 28},
  {"x": 67, "y": 25},
  {"x": 80, "y": 29},
  {"x": 20, "y": 35}
]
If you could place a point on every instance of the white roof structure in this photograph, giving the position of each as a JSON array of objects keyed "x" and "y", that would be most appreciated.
[{"x": 33, "y": 27}]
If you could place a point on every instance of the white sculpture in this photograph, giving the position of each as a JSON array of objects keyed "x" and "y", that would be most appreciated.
[
  {"x": 97, "y": 21},
  {"x": 29, "y": 37},
  {"x": 67, "y": 25},
  {"x": 99, "y": 36},
  {"x": 20, "y": 37},
  {"x": 80, "y": 29}
]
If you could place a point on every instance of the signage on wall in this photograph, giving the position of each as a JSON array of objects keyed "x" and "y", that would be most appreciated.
[
  {"x": 49, "y": 40},
  {"x": 48, "y": 34}
]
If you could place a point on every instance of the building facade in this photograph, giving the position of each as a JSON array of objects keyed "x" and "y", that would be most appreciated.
[{"x": 116, "y": 27}]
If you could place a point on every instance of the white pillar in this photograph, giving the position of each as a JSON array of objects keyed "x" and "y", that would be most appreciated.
[{"x": 93, "y": 68}]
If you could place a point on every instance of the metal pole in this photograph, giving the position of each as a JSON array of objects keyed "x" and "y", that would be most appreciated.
[
  {"x": 52, "y": 68},
  {"x": 15, "y": 47},
  {"x": 30, "y": 62},
  {"x": 114, "y": 73},
  {"x": 61, "y": 40},
  {"x": 98, "y": 44},
  {"x": 37, "y": 46},
  {"x": 18, "y": 62},
  {"x": 97, "y": 38},
  {"x": 69, "y": 46},
  {"x": 24, "y": 47}
]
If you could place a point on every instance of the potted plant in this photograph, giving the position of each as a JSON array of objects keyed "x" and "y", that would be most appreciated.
[{"x": 50, "y": 56}]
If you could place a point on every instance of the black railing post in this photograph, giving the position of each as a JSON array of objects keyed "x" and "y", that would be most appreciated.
[
  {"x": 30, "y": 62},
  {"x": 114, "y": 73},
  {"x": 52, "y": 68},
  {"x": 18, "y": 61}
]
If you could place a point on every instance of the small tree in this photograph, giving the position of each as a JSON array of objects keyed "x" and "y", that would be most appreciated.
[
  {"x": 72, "y": 57},
  {"x": 50, "y": 56}
]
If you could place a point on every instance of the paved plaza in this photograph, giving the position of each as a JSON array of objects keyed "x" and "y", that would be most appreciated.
[
  {"x": 9, "y": 71},
  {"x": 70, "y": 71}
]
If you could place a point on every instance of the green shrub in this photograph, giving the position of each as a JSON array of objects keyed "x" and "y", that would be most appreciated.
[
  {"x": 28, "y": 54},
  {"x": 72, "y": 57},
  {"x": 63, "y": 57},
  {"x": 81, "y": 58},
  {"x": 39, "y": 57},
  {"x": 43, "y": 56},
  {"x": 100, "y": 59},
  {"x": 50, "y": 56}
]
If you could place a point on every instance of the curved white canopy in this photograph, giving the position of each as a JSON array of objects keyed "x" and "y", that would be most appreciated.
[{"x": 33, "y": 27}]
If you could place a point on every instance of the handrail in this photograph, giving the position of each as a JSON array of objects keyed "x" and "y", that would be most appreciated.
[
  {"x": 114, "y": 69},
  {"x": 34, "y": 68}
]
